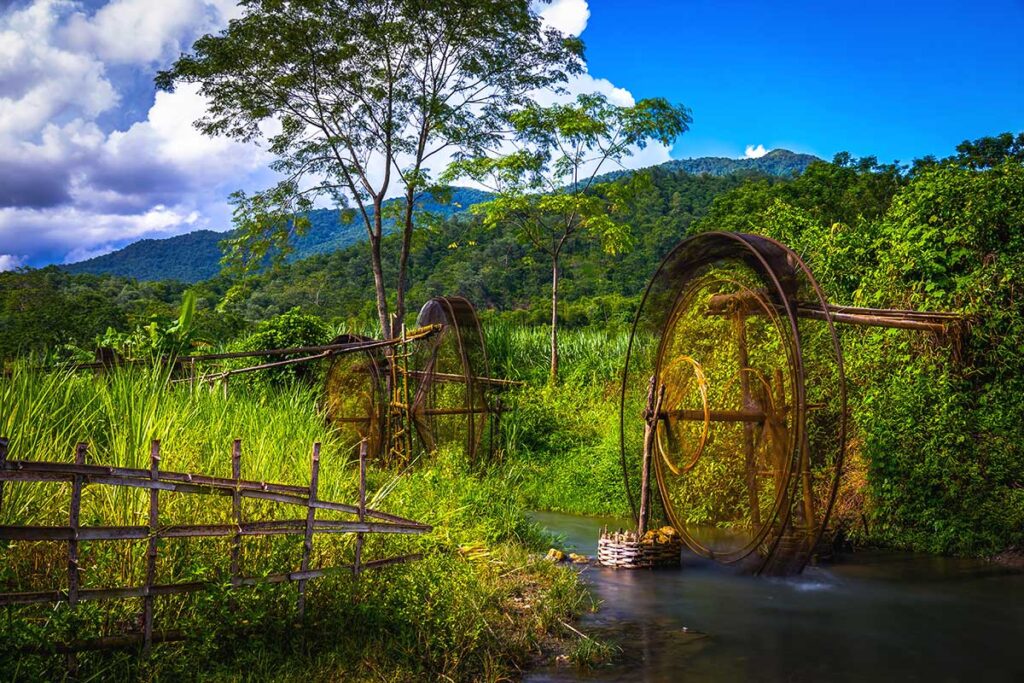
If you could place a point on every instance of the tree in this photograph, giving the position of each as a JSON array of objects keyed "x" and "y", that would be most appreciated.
[
  {"x": 549, "y": 184},
  {"x": 356, "y": 98},
  {"x": 990, "y": 151}
]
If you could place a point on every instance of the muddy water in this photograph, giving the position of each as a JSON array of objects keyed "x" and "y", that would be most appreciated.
[{"x": 871, "y": 617}]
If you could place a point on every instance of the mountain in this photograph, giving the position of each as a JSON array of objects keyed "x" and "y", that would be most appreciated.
[
  {"x": 778, "y": 162},
  {"x": 196, "y": 255},
  {"x": 190, "y": 257}
]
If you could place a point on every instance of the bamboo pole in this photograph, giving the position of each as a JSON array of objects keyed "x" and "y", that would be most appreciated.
[
  {"x": 307, "y": 544},
  {"x": 356, "y": 568},
  {"x": 4, "y": 444},
  {"x": 750, "y": 465},
  {"x": 236, "y": 510},
  {"x": 651, "y": 416},
  {"x": 151, "y": 550},
  {"x": 73, "y": 519}
]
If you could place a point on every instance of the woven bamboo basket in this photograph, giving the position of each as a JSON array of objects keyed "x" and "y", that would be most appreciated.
[{"x": 628, "y": 550}]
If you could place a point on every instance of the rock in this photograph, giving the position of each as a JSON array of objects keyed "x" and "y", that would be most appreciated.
[
  {"x": 579, "y": 559},
  {"x": 555, "y": 555}
]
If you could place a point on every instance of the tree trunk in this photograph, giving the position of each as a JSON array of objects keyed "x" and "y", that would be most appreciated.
[
  {"x": 403, "y": 259},
  {"x": 554, "y": 320},
  {"x": 378, "y": 283}
]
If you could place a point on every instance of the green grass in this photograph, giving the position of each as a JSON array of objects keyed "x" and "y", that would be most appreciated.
[
  {"x": 564, "y": 438},
  {"x": 479, "y": 607}
]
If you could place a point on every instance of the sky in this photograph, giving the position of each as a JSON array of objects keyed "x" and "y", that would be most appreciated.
[{"x": 92, "y": 158}]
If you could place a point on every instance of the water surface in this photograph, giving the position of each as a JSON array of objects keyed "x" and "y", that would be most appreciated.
[{"x": 870, "y": 617}]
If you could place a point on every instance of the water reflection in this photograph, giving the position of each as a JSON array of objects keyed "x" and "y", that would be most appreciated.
[{"x": 875, "y": 616}]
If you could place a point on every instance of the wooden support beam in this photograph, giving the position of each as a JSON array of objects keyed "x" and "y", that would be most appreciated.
[{"x": 747, "y": 303}]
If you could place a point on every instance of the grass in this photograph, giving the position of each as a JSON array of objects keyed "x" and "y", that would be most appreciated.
[
  {"x": 481, "y": 606},
  {"x": 565, "y": 437}
]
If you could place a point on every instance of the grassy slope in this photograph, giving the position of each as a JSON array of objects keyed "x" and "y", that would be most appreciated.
[{"x": 481, "y": 605}]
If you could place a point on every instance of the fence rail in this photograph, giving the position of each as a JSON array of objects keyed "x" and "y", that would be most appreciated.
[{"x": 79, "y": 474}]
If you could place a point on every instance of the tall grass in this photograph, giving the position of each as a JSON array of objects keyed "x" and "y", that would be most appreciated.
[
  {"x": 586, "y": 356},
  {"x": 449, "y": 615},
  {"x": 563, "y": 437}
]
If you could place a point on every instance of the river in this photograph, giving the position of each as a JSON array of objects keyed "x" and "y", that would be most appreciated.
[{"x": 873, "y": 616}]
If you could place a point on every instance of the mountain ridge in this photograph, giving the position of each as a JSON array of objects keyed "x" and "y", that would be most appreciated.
[{"x": 195, "y": 256}]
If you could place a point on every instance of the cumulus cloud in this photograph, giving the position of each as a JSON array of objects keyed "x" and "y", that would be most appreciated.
[
  {"x": 137, "y": 31},
  {"x": 69, "y": 187},
  {"x": 92, "y": 158},
  {"x": 568, "y": 16},
  {"x": 753, "y": 152},
  {"x": 10, "y": 262}
]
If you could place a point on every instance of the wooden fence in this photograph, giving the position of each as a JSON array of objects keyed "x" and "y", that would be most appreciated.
[{"x": 79, "y": 474}]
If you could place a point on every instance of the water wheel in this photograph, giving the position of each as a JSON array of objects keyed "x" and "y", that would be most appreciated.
[
  {"x": 750, "y": 438},
  {"x": 353, "y": 395},
  {"x": 449, "y": 405}
]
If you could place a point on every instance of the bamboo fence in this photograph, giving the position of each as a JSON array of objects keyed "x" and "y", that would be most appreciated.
[{"x": 79, "y": 474}]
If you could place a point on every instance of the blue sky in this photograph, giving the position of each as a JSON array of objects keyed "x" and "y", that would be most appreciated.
[
  {"x": 92, "y": 158},
  {"x": 897, "y": 79}
]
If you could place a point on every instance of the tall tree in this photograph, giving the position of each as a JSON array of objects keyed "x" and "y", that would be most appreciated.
[
  {"x": 548, "y": 181},
  {"x": 356, "y": 98}
]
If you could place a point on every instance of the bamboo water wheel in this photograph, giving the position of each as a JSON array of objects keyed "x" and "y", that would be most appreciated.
[
  {"x": 751, "y": 431},
  {"x": 449, "y": 405},
  {"x": 353, "y": 398}
]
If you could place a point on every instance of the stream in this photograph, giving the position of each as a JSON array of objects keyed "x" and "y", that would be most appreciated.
[{"x": 872, "y": 616}]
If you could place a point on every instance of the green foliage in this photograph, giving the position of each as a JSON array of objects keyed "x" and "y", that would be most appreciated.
[
  {"x": 162, "y": 336},
  {"x": 287, "y": 330},
  {"x": 41, "y": 309}
]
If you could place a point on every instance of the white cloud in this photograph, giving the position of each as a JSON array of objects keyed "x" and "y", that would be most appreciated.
[
  {"x": 753, "y": 152},
  {"x": 138, "y": 31},
  {"x": 568, "y": 16},
  {"x": 39, "y": 78},
  {"x": 22, "y": 230},
  {"x": 69, "y": 188},
  {"x": 10, "y": 262}
]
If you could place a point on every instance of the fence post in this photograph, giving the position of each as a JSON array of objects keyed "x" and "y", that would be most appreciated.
[
  {"x": 236, "y": 511},
  {"x": 154, "y": 516},
  {"x": 307, "y": 546},
  {"x": 357, "y": 565},
  {"x": 4, "y": 442},
  {"x": 73, "y": 515}
]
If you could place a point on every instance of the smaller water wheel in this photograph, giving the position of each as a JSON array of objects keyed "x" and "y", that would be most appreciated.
[
  {"x": 353, "y": 394},
  {"x": 449, "y": 404}
]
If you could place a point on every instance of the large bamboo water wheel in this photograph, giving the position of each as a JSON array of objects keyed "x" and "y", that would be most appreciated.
[
  {"x": 751, "y": 431},
  {"x": 449, "y": 405},
  {"x": 735, "y": 364}
]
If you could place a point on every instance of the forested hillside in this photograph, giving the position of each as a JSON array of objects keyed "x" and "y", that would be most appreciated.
[
  {"x": 196, "y": 256},
  {"x": 451, "y": 256}
]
